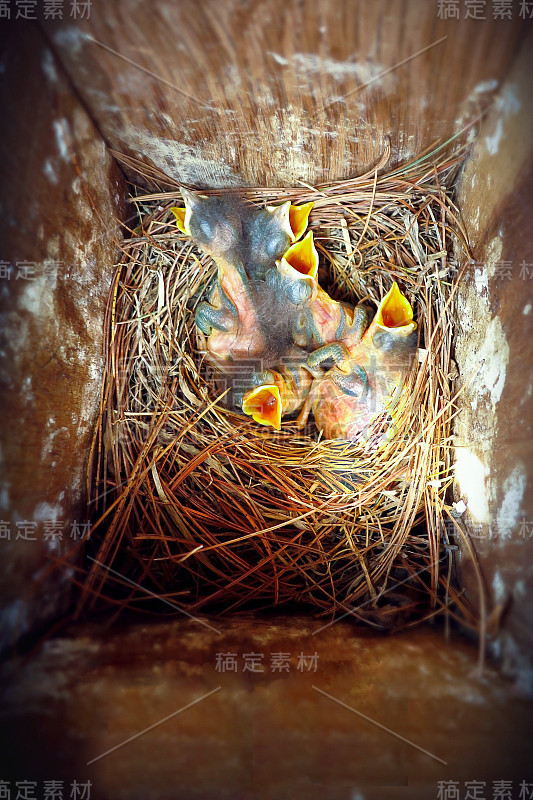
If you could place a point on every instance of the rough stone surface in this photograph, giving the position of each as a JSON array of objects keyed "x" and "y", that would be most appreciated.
[{"x": 60, "y": 195}]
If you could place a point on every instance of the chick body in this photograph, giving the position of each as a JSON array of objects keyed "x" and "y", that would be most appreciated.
[
  {"x": 248, "y": 319},
  {"x": 368, "y": 374}
]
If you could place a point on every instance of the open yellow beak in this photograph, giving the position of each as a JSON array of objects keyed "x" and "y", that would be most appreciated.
[
  {"x": 298, "y": 219},
  {"x": 263, "y": 404},
  {"x": 395, "y": 311},
  {"x": 183, "y": 215},
  {"x": 293, "y": 219},
  {"x": 180, "y": 214},
  {"x": 303, "y": 257}
]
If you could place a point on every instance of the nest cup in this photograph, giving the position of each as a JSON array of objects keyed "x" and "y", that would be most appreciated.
[{"x": 198, "y": 505}]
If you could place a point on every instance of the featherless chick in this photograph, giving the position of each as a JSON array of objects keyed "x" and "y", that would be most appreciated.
[
  {"x": 368, "y": 374},
  {"x": 247, "y": 320}
]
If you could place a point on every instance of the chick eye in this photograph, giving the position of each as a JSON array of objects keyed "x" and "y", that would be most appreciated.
[
  {"x": 207, "y": 228},
  {"x": 383, "y": 340},
  {"x": 275, "y": 245},
  {"x": 221, "y": 235},
  {"x": 357, "y": 383}
]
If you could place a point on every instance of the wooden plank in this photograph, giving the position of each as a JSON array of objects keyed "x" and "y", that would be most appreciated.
[
  {"x": 226, "y": 93},
  {"x": 494, "y": 351},
  {"x": 59, "y": 196}
]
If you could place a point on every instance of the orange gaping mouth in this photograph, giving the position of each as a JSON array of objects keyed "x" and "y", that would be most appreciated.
[
  {"x": 264, "y": 405},
  {"x": 395, "y": 310},
  {"x": 298, "y": 219},
  {"x": 303, "y": 256}
]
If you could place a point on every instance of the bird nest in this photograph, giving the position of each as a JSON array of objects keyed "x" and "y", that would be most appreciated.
[{"x": 198, "y": 506}]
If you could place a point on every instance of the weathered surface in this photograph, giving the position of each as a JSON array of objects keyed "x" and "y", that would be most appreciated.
[
  {"x": 268, "y": 93},
  {"x": 494, "y": 433},
  {"x": 268, "y": 735},
  {"x": 274, "y": 92},
  {"x": 58, "y": 248}
]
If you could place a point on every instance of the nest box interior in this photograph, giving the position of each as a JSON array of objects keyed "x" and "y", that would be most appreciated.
[{"x": 286, "y": 97}]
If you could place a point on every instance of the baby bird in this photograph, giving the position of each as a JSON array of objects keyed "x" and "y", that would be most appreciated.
[
  {"x": 243, "y": 319},
  {"x": 246, "y": 320},
  {"x": 318, "y": 319},
  {"x": 278, "y": 392},
  {"x": 315, "y": 319},
  {"x": 367, "y": 375}
]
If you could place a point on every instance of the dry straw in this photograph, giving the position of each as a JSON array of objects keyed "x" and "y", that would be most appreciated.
[{"x": 208, "y": 510}]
